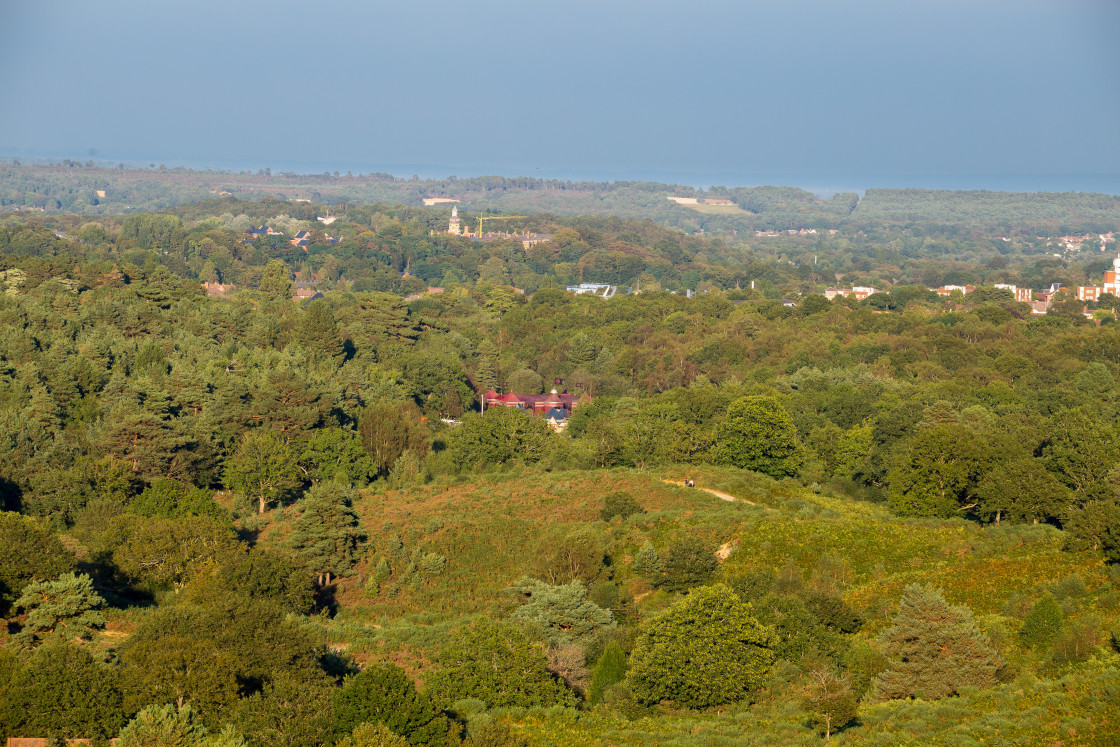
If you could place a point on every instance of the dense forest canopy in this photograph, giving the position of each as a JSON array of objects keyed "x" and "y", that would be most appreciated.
[
  {"x": 257, "y": 517},
  {"x": 85, "y": 189}
]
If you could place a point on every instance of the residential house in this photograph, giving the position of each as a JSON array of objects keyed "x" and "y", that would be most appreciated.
[
  {"x": 301, "y": 239},
  {"x": 217, "y": 289},
  {"x": 947, "y": 290},
  {"x": 555, "y": 407},
  {"x": 1022, "y": 295}
]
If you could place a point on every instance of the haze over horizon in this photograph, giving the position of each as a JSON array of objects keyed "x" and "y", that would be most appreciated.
[{"x": 952, "y": 93}]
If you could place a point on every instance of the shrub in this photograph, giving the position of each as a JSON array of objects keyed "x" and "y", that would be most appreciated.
[
  {"x": 1078, "y": 642},
  {"x": 689, "y": 562},
  {"x": 432, "y": 564},
  {"x": 754, "y": 583},
  {"x": 619, "y": 504},
  {"x": 1042, "y": 624},
  {"x": 373, "y": 735},
  {"x": 488, "y": 733},
  {"x": 610, "y": 669},
  {"x": 1070, "y": 587}
]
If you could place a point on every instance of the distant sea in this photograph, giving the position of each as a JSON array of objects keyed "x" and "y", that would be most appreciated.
[{"x": 823, "y": 184}]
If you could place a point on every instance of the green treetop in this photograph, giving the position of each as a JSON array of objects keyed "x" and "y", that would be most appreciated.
[
  {"x": 276, "y": 280},
  {"x": 758, "y": 435},
  {"x": 564, "y": 610},
  {"x": 384, "y": 694},
  {"x": 327, "y": 534},
  {"x": 66, "y": 607},
  {"x": 934, "y": 649},
  {"x": 707, "y": 649},
  {"x": 264, "y": 468}
]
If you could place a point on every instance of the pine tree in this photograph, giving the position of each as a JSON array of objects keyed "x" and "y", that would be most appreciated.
[
  {"x": 318, "y": 331},
  {"x": 934, "y": 649},
  {"x": 647, "y": 562},
  {"x": 163, "y": 725},
  {"x": 327, "y": 534},
  {"x": 66, "y": 607},
  {"x": 486, "y": 370},
  {"x": 564, "y": 610},
  {"x": 28, "y": 553},
  {"x": 581, "y": 350},
  {"x": 276, "y": 280}
]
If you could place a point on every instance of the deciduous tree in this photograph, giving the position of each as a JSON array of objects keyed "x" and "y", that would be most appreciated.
[
  {"x": 384, "y": 694},
  {"x": 498, "y": 665},
  {"x": 705, "y": 650},
  {"x": 758, "y": 435},
  {"x": 263, "y": 468}
]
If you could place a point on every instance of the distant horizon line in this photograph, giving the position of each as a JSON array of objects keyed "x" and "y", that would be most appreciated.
[{"x": 823, "y": 184}]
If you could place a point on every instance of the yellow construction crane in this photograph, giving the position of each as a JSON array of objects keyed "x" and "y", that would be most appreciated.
[{"x": 482, "y": 218}]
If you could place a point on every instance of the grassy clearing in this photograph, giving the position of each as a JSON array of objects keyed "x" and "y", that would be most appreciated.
[{"x": 486, "y": 529}]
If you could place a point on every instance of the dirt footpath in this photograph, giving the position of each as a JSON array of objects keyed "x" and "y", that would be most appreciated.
[{"x": 716, "y": 493}]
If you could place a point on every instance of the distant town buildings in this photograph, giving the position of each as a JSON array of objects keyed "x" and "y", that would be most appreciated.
[
  {"x": 859, "y": 292},
  {"x": 527, "y": 239},
  {"x": 602, "y": 290},
  {"x": 1074, "y": 243}
]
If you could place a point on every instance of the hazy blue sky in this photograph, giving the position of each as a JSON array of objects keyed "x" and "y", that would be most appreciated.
[{"x": 608, "y": 88}]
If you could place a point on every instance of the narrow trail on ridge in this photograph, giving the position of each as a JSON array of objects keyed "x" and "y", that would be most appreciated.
[{"x": 723, "y": 496}]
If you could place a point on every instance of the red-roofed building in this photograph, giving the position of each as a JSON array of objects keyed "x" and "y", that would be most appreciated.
[{"x": 550, "y": 404}]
